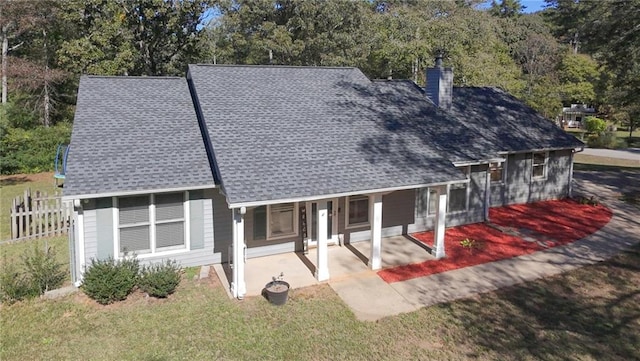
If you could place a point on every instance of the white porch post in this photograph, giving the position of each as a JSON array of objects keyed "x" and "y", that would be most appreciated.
[
  {"x": 438, "y": 232},
  {"x": 322, "y": 264},
  {"x": 238, "y": 286},
  {"x": 375, "y": 216},
  {"x": 487, "y": 195}
]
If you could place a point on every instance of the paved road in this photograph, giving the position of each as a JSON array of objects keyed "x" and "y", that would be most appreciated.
[{"x": 629, "y": 153}]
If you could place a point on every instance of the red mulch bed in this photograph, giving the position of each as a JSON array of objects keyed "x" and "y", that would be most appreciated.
[{"x": 543, "y": 224}]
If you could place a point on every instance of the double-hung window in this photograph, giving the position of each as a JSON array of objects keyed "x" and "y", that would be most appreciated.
[
  {"x": 357, "y": 211},
  {"x": 151, "y": 223},
  {"x": 539, "y": 165},
  {"x": 496, "y": 170},
  {"x": 275, "y": 221},
  {"x": 458, "y": 195}
]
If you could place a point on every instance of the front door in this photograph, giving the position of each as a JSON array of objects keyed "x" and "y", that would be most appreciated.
[{"x": 312, "y": 225}]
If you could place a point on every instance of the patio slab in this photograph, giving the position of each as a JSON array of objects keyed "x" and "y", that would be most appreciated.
[{"x": 370, "y": 298}]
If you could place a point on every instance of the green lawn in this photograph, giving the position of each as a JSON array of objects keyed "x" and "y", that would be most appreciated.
[
  {"x": 13, "y": 186},
  {"x": 624, "y": 141},
  {"x": 590, "y": 313}
]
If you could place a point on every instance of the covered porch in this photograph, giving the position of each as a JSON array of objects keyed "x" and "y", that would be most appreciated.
[
  {"x": 326, "y": 260},
  {"x": 349, "y": 260}
]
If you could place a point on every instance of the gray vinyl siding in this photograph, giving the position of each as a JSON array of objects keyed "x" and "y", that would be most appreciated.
[
  {"x": 196, "y": 215},
  {"x": 90, "y": 231},
  {"x": 222, "y": 227},
  {"x": 520, "y": 187},
  {"x": 398, "y": 216},
  {"x": 475, "y": 194},
  {"x": 104, "y": 228},
  {"x": 99, "y": 237}
]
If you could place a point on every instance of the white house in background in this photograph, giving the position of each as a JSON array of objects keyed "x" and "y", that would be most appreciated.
[
  {"x": 574, "y": 115},
  {"x": 236, "y": 162}
]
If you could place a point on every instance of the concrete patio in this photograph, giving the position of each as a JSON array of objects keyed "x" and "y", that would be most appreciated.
[{"x": 349, "y": 260}]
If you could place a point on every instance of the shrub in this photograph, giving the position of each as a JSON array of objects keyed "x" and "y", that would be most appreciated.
[
  {"x": 595, "y": 125},
  {"x": 14, "y": 285},
  {"x": 31, "y": 150},
  {"x": 604, "y": 140},
  {"x": 44, "y": 271},
  {"x": 107, "y": 281},
  {"x": 160, "y": 280}
]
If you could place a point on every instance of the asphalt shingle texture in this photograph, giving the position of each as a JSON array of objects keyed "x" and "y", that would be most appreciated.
[
  {"x": 135, "y": 134},
  {"x": 288, "y": 132}
]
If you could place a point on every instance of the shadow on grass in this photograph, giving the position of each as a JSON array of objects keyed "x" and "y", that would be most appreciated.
[
  {"x": 589, "y": 313},
  {"x": 602, "y": 167},
  {"x": 13, "y": 180}
]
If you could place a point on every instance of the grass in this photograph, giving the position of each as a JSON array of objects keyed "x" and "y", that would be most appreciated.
[
  {"x": 624, "y": 140},
  {"x": 13, "y": 186},
  {"x": 596, "y": 163},
  {"x": 11, "y": 252},
  {"x": 589, "y": 313}
]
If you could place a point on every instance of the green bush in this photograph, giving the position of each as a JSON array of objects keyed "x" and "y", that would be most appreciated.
[
  {"x": 14, "y": 285},
  {"x": 108, "y": 280},
  {"x": 604, "y": 140},
  {"x": 160, "y": 280},
  {"x": 44, "y": 271},
  {"x": 30, "y": 150},
  {"x": 595, "y": 125}
]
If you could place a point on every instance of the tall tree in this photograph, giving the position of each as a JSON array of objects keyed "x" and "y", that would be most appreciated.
[
  {"x": 506, "y": 8},
  {"x": 135, "y": 37},
  {"x": 293, "y": 32},
  {"x": 16, "y": 17}
]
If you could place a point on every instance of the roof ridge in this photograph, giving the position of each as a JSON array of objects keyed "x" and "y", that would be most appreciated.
[
  {"x": 136, "y": 77},
  {"x": 274, "y": 66}
]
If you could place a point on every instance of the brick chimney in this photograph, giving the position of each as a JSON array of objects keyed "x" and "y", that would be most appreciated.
[{"x": 439, "y": 84}]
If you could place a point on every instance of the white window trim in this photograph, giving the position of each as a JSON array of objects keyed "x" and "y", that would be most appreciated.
[
  {"x": 152, "y": 229},
  {"x": 544, "y": 169},
  {"x": 503, "y": 165},
  {"x": 346, "y": 214},
  {"x": 467, "y": 189},
  {"x": 296, "y": 227}
]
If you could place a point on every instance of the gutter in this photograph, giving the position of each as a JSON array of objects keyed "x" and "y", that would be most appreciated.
[
  {"x": 339, "y": 195},
  {"x": 133, "y": 193}
]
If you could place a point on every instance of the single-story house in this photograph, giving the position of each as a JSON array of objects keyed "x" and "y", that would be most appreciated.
[
  {"x": 573, "y": 116},
  {"x": 234, "y": 162}
]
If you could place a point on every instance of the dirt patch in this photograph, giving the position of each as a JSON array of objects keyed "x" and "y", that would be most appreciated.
[{"x": 7, "y": 180}]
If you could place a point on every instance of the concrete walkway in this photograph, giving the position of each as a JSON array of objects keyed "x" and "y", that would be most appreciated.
[
  {"x": 629, "y": 153},
  {"x": 371, "y": 298}
]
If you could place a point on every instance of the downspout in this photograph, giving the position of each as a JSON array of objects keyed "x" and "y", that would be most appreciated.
[
  {"x": 573, "y": 151},
  {"x": 487, "y": 194}
]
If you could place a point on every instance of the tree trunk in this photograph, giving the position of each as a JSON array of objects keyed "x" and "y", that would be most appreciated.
[
  {"x": 47, "y": 97},
  {"x": 5, "y": 50}
]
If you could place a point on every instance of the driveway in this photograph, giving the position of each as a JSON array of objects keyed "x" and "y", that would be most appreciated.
[{"x": 629, "y": 153}]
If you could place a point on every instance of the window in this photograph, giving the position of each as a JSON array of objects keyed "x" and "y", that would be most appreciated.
[
  {"x": 458, "y": 194},
  {"x": 150, "y": 224},
  {"x": 275, "y": 221},
  {"x": 539, "y": 167},
  {"x": 496, "y": 170},
  {"x": 282, "y": 220},
  {"x": 458, "y": 197},
  {"x": 357, "y": 211}
]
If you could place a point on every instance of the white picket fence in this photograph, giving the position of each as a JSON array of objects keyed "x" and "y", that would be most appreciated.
[{"x": 39, "y": 215}]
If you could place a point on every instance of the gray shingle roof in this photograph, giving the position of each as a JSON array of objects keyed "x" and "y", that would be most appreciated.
[
  {"x": 135, "y": 134},
  {"x": 482, "y": 123},
  {"x": 293, "y": 132},
  {"x": 507, "y": 124}
]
